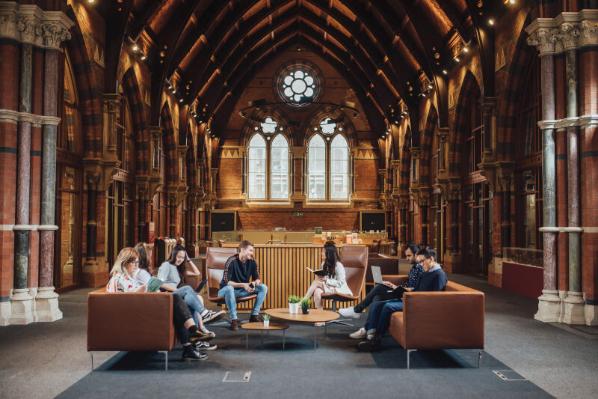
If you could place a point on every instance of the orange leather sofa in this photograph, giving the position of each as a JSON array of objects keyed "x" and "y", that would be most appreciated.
[
  {"x": 450, "y": 319},
  {"x": 135, "y": 321}
]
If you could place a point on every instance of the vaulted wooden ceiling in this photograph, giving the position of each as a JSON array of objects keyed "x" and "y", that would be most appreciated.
[{"x": 208, "y": 49}]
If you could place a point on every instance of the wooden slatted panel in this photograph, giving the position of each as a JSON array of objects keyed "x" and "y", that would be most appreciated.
[{"x": 283, "y": 270}]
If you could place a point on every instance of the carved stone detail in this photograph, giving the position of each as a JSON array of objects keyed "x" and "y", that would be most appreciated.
[
  {"x": 27, "y": 23},
  {"x": 567, "y": 31}
]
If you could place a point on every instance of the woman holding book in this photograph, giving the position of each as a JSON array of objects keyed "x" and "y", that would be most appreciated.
[{"x": 331, "y": 279}]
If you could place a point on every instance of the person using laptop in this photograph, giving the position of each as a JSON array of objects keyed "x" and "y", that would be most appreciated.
[
  {"x": 433, "y": 279},
  {"x": 385, "y": 290}
]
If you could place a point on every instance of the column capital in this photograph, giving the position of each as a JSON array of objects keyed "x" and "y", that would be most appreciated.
[
  {"x": 27, "y": 23},
  {"x": 567, "y": 31}
]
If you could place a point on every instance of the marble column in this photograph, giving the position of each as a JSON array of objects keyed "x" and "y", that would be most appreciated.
[
  {"x": 573, "y": 309},
  {"x": 549, "y": 303},
  {"x": 21, "y": 299},
  {"x": 47, "y": 299}
]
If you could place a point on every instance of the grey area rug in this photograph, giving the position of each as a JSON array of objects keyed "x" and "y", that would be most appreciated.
[{"x": 334, "y": 370}]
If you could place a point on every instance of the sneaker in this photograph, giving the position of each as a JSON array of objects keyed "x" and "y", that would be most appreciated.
[
  {"x": 234, "y": 324},
  {"x": 372, "y": 345},
  {"x": 256, "y": 318},
  {"x": 349, "y": 312},
  {"x": 200, "y": 336},
  {"x": 205, "y": 346},
  {"x": 212, "y": 316},
  {"x": 190, "y": 353},
  {"x": 359, "y": 334},
  {"x": 371, "y": 334},
  {"x": 320, "y": 324}
]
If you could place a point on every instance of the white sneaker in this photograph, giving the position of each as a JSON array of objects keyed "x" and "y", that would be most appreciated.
[
  {"x": 359, "y": 334},
  {"x": 348, "y": 312}
]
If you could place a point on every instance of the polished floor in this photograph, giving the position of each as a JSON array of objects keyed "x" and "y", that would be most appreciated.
[{"x": 47, "y": 360}]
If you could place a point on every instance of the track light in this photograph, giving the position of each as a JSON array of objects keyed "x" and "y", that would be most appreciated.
[
  {"x": 491, "y": 21},
  {"x": 135, "y": 48},
  {"x": 444, "y": 72}
]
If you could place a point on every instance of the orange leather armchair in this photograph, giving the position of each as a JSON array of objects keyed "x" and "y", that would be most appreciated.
[
  {"x": 355, "y": 260},
  {"x": 215, "y": 260}
]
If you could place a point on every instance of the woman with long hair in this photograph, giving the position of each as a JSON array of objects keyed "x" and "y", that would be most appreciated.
[
  {"x": 333, "y": 279},
  {"x": 123, "y": 279},
  {"x": 172, "y": 273}
]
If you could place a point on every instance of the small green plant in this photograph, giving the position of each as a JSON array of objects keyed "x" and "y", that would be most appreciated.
[
  {"x": 294, "y": 299},
  {"x": 266, "y": 317},
  {"x": 305, "y": 303}
]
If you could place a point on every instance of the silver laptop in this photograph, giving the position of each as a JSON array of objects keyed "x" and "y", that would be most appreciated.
[{"x": 377, "y": 274}]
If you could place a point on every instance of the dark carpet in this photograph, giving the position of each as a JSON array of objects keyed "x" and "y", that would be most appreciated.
[{"x": 334, "y": 370}]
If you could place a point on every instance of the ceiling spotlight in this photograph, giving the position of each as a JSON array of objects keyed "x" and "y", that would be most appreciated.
[
  {"x": 466, "y": 49},
  {"x": 91, "y": 1},
  {"x": 430, "y": 86},
  {"x": 143, "y": 57},
  {"x": 181, "y": 100},
  {"x": 135, "y": 48},
  {"x": 511, "y": 2},
  {"x": 457, "y": 59},
  {"x": 491, "y": 21},
  {"x": 444, "y": 72}
]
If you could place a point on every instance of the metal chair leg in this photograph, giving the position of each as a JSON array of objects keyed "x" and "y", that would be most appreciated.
[
  {"x": 479, "y": 358},
  {"x": 91, "y": 354},
  {"x": 165, "y": 359},
  {"x": 344, "y": 322},
  {"x": 409, "y": 357}
]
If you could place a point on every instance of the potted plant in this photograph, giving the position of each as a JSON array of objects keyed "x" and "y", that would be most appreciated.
[
  {"x": 305, "y": 305},
  {"x": 294, "y": 302},
  {"x": 266, "y": 321}
]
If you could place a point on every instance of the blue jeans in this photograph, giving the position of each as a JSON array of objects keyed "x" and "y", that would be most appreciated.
[
  {"x": 190, "y": 297},
  {"x": 231, "y": 294},
  {"x": 379, "y": 315}
]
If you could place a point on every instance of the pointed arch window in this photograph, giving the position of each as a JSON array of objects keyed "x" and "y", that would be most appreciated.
[
  {"x": 316, "y": 169},
  {"x": 279, "y": 168},
  {"x": 339, "y": 168},
  {"x": 257, "y": 168},
  {"x": 328, "y": 164}
]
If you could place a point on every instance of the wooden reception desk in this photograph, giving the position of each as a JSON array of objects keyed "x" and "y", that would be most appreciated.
[{"x": 282, "y": 269}]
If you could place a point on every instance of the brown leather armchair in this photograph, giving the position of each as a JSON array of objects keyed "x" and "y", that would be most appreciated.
[
  {"x": 133, "y": 321},
  {"x": 355, "y": 260},
  {"x": 215, "y": 260}
]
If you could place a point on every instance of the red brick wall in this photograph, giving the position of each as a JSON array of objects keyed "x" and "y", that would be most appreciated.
[{"x": 328, "y": 219}]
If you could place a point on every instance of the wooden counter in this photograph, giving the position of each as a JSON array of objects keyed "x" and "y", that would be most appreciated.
[{"x": 282, "y": 269}]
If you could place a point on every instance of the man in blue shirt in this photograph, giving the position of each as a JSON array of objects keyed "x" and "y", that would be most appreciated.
[
  {"x": 433, "y": 279},
  {"x": 242, "y": 278},
  {"x": 386, "y": 291}
]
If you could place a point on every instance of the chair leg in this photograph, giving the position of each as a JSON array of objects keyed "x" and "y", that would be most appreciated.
[
  {"x": 479, "y": 358},
  {"x": 165, "y": 359},
  {"x": 344, "y": 322},
  {"x": 91, "y": 355},
  {"x": 409, "y": 357}
]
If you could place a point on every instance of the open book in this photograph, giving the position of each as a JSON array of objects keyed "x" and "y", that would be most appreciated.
[{"x": 320, "y": 272}]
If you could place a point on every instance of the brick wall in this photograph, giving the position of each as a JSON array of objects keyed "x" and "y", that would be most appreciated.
[{"x": 328, "y": 219}]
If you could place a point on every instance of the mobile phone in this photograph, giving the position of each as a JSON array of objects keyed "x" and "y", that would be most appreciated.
[{"x": 252, "y": 286}]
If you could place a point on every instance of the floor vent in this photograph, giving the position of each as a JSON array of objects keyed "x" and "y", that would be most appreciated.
[
  {"x": 508, "y": 375},
  {"x": 237, "y": 376}
]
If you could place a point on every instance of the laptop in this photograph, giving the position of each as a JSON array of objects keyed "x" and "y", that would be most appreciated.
[{"x": 377, "y": 274}]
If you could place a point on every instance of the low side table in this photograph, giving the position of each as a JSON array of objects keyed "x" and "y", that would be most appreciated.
[
  {"x": 259, "y": 326},
  {"x": 314, "y": 316}
]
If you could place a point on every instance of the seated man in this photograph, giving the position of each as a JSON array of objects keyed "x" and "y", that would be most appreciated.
[
  {"x": 433, "y": 279},
  {"x": 241, "y": 278},
  {"x": 386, "y": 290}
]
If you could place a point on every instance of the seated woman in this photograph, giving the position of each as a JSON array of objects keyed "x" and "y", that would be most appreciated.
[
  {"x": 172, "y": 271},
  {"x": 333, "y": 280},
  {"x": 122, "y": 279}
]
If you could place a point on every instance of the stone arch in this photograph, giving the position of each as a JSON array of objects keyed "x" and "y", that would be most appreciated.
[
  {"x": 168, "y": 146},
  {"x": 470, "y": 89},
  {"x": 132, "y": 93}
]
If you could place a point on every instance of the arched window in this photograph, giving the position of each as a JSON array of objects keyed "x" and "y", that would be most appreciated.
[
  {"x": 316, "y": 169},
  {"x": 257, "y": 167},
  {"x": 339, "y": 168},
  {"x": 279, "y": 168}
]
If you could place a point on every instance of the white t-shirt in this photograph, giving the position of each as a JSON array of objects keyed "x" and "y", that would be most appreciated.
[
  {"x": 338, "y": 284},
  {"x": 169, "y": 274}
]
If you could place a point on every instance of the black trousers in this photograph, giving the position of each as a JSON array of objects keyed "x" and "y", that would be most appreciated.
[
  {"x": 181, "y": 314},
  {"x": 380, "y": 292}
]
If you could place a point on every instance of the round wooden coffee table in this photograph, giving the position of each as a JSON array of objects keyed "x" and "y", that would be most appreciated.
[
  {"x": 259, "y": 326},
  {"x": 314, "y": 316}
]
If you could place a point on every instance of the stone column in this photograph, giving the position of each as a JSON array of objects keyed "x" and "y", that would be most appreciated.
[
  {"x": 544, "y": 38},
  {"x": 442, "y": 138},
  {"x": 21, "y": 299},
  {"x": 93, "y": 272},
  {"x": 573, "y": 309},
  {"x": 171, "y": 215},
  {"x": 142, "y": 201},
  {"x": 47, "y": 299}
]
